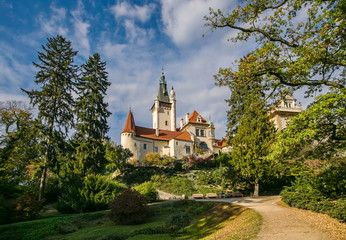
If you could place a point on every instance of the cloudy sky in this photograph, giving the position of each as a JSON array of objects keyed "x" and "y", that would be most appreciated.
[{"x": 136, "y": 39}]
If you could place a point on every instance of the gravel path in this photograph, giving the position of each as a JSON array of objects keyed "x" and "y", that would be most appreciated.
[{"x": 281, "y": 223}]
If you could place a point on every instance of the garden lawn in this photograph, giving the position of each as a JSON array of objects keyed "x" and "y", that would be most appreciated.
[{"x": 205, "y": 219}]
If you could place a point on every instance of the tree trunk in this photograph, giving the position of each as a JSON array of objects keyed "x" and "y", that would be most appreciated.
[
  {"x": 42, "y": 183},
  {"x": 256, "y": 190}
]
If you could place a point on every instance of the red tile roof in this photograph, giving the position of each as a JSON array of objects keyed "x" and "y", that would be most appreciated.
[
  {"x": 130, "y": 125},
  {"x": 164, "y": 135},
  {"x": 193, "y": 118},
  {"x": 220, "y": 143}
]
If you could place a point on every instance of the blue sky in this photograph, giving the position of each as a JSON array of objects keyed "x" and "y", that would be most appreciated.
[{"x": 136, "y": 39}]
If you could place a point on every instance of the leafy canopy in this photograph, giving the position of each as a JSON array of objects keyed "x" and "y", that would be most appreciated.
[{"x": 300, "y": 43}]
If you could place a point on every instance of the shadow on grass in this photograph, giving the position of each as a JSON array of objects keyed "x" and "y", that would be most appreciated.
[{"x": 210, "y": 222}]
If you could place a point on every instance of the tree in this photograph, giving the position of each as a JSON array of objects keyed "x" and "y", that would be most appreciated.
[
  {"x": 92, "y": 114},
  {"x": 18, "y": 146},
  {"x": 251, "y": 144},
  {"x": 117, "y": 157},
  {"x": 56, "y": 75},
  {"x": 293, "y": 51},
  {"x": 317, "y": 134}
]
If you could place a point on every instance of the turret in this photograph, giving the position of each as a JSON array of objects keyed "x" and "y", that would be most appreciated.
[{"x": 173, "y": 111}]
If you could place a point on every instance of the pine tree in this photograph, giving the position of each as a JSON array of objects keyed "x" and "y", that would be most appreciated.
[
  {"x": 54, "y": 100},
  {"x": 252, "y": 142},
  {"x": 92, "y": 114}
]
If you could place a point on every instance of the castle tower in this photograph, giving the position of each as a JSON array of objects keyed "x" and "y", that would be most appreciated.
[
  {"x": 173, "y": 111},
  {"x": 129, "y": 133},
  {"x": 164, "y": 109}
]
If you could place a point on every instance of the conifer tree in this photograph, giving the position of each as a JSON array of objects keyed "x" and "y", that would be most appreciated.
[
  {"x": 56, "y": 76},
  {"x": 92, "y": 114},
  {"x": 251, "y": 144}
]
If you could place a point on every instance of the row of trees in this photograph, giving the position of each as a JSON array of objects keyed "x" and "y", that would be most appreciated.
[
  {"x": 293, "y": 52},
  {"x": 67, "y": 140}
]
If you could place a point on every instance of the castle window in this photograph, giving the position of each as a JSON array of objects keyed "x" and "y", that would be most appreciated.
[
  {"x": 156, "y": 149},
  {"x": 188, "y": 149},
  {"x": 197, "y": 132},
  {"x": 202, "y": 133},
  {"x": 199, "y": 119},
  {"x": 203, "y": 145},
  {"x": 144, "y": 146},
  {"x": 176, "y": 143},
  {"x": 166, "y": 123}
]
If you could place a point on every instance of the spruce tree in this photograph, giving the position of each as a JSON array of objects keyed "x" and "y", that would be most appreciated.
[
  {"x": 251, "y": 144},
  {"x": 56, "y": 75},
  {"x": 92, "y": 114}
]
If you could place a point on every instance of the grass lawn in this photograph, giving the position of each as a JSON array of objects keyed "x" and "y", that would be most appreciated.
[{"x": 206, "y": 220}]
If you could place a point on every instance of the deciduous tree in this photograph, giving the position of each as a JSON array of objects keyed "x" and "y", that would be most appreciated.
[{"x": 300, "y": 43}]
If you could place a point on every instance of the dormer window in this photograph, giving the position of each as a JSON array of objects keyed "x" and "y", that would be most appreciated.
[{"x": 199, "y": 119}]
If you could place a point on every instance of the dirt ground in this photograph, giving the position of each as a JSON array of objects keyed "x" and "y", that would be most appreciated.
[{"x": 285, "y": 223}]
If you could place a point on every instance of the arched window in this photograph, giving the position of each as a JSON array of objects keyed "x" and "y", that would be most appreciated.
[{"x": 203, "y": 145}]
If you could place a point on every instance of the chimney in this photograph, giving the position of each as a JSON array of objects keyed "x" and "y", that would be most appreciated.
[
  {"x": 181, "y": 123},
  {"x": 187, "y": 116},
  {"x": 157, "y": 132}
]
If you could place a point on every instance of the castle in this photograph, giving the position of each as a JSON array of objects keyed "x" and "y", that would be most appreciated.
[{"x": 194, "y": 135}]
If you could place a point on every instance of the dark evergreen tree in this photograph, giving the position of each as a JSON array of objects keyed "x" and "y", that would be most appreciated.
[
  {"x": 251, "y": 144},
  {"x": 56, "y": 75},
  {"x": 92, "y": 114}
]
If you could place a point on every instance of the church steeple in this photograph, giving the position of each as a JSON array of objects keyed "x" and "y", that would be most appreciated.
[{"x": 163, "y": 93}]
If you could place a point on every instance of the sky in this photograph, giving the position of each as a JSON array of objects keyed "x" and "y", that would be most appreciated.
[{"x": 136, "y": 39}]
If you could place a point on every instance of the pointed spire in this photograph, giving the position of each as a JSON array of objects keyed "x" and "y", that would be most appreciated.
[
  {"x": 130, "y": 126},
  {"x": 163, "y": 93}
]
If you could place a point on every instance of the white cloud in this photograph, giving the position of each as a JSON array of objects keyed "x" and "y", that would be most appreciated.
[
  {"x": 135, "y": 34},
  {"x": 125, "y": 10},
  {"x": 55, "y": 23},
  {"x": 81, "y": 30},
  {"x": 183, "y": 20}
]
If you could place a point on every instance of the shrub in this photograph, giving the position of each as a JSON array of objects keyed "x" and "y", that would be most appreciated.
[
  {"x": 148, "y": 190},
  {"x": 6, "y": 210},
  {"x": 27, "y": 207},
  {"x": 128, "y": 207},
  {"x": 198, "y": 162},
  {"x": 305, "y": 194},
  {"x": 155, "y": 159},
  {"x": 93, "y": 193}
]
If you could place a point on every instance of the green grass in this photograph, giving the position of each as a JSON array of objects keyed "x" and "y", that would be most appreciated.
[{"x": 207, "y": 219}]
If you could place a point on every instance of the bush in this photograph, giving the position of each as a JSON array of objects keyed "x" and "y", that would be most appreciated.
[
  {"x": 155, "y": 159},
  {"x": 175, "y": 185},
  {"x": 93, "y": 193},
  {"x": 27, "y": 207},
  {"x": 305, "y": 194},
  {"x": 148, "y": 190},
  {"x": 129, "y": 207}
]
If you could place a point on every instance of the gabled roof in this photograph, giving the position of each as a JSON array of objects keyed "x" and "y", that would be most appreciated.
[
  {"x": 195, "y": 116},
  {"x": 164, "y": 135},
  {"x": 220, "y": 143},
  {"x": 130, "y": 126}
]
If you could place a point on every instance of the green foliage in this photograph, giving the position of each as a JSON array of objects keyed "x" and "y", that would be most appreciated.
[
  {"x": 93, "y": 193},
  {"x": 98, "y": 226},
  {"x": 56, "y": 75},
  {"x": 128, "y": 207},
  {"x": 155, "y": 159},
  {"x": 317, "y": 133},
  {"x": 313, "y": 192},
  {"x": 148, "y": 190},
  {"x": 92, "y": 114},
  {"x": 252, "y": 142},
  {"x": 176, "y": 185},
  {"x": 291, "y": 51},
  {"x": 18, "y": 151},
  {"x": 117, "y": 157}
]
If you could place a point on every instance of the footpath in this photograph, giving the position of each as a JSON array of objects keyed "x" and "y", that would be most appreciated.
[{"x": 284, "y": 223}]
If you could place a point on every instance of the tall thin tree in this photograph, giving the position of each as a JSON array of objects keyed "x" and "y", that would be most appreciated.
[
  {"x": 56, "y": 75},
  {"x": 92, "y": 114}
]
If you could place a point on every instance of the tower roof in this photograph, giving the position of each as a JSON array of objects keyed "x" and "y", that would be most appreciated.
[
  {"x": 163, "y": 93},
  {"x": 130, "y": 125}
]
